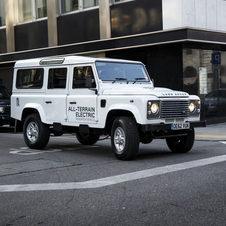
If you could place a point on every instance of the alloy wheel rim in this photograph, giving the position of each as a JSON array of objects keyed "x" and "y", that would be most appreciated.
[
  {"x": 32, "y": 132},
  {"x": 119, "y": 140}
]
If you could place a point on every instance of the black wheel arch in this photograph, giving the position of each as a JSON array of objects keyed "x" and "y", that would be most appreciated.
[
  {"x": 28, "y": 111},
  {"x": 113, "y": 114}
]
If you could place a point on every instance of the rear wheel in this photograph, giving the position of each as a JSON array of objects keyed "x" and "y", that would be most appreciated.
[
  {"x": 181, "y": 144},
  {"x": 36, "y": 133},
  {"x": 87, "y": 138},
  {"x": 125, "y": 138}
]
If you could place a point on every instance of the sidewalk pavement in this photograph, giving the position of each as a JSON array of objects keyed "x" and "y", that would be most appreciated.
[{"x": 216, "y": 132}]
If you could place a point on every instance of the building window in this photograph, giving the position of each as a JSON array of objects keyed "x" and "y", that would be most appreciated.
[
  {"x": 69, "y": 5},
  {"x": 24, "y": 9},
  {"x": 29, "y": 10},
  {"x": 90, "y": 3},
  {"x": 2, "y": 13},
  {"x": 75, "y": 5},
  {"x": 41, "y": 8}
]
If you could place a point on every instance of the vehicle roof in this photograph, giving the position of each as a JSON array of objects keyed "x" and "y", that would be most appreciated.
[{"x": 66, "y": 60}]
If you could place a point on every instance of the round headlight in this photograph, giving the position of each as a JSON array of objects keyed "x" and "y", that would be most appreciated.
[
  {"x": 154, "y": 108},
  {"x": 192, "y": 107}
]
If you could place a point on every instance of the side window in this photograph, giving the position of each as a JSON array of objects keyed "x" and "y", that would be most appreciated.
[
  {"x": 57, "y": 78},
  {"x": 80, "y": 75},
  {"x": 29, "y": 78}
]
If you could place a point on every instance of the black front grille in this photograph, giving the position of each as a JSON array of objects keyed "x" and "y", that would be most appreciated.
[{"x": 174, "y": 109}]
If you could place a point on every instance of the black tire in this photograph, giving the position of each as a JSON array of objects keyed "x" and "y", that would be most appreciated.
[
  {"x": 125, "y": 138},
  {"x": 36, "y": 133},
  {"x": 181, "y": 144},
  {"x": 87, "y": 139}
]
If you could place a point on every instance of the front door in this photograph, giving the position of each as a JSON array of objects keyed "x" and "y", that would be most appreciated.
[{"x": 82, "y": 101}]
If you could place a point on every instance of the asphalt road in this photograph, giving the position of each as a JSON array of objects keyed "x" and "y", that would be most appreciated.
[{"x": 70, "y": 184}]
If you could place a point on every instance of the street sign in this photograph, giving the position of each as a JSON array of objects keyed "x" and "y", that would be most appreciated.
[{"x": 216, "y": 58}]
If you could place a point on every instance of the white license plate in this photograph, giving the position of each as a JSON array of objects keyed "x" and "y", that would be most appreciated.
[{"x": 179, "y": 126}]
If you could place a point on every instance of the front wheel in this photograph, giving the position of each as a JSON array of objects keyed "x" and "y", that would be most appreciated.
[
  {"x": 87, "y": 139},
  {"x": 125, "y": 138},
  {"x": 181, "y": 144},
  {"x": 36, "y": 133}
]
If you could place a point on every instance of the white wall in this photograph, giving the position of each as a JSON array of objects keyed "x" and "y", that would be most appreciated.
[{"x": 204, "y": 14}]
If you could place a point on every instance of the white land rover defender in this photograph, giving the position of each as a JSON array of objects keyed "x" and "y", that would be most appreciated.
[{"x": 93, "y": 96}]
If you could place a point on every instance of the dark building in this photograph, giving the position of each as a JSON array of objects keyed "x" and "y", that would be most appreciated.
[{"x": 182, "y": 43}]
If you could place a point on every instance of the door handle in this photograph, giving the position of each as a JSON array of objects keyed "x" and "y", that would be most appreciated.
[
  {"x": 48, "y": 102},
  {"x": 73, "y": 102}
]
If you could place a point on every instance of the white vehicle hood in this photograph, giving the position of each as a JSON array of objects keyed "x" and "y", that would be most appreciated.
[{"x": 158, "y": 92}]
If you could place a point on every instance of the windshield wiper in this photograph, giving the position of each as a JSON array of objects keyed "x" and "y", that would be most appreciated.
[
  {"x": 136, "y": 79},
  {"x": 119, "y": 79}
]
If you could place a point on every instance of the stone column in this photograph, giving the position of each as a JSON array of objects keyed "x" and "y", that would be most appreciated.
[
  {"x": 52, "y": 22},
  {"x": 104, "y": 17},
  {"x": 9, "y": 18}
]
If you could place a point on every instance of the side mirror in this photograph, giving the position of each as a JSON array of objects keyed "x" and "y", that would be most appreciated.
[{"x": 88, "y": 82}]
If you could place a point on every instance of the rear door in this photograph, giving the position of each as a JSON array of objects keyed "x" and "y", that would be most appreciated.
[{"x": 56, "y": 93}]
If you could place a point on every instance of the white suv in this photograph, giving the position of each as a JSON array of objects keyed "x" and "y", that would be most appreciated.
[{"x": 93, "y": 96}]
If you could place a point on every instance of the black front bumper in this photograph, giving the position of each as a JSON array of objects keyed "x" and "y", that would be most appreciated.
[{"x": 155, "y": 127}]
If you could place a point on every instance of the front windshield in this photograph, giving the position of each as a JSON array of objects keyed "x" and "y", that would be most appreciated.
[
  {"x": 4, "y": 93},
  {"x": 111, "y": 71}
]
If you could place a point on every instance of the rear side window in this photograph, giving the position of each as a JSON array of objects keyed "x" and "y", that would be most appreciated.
[
  {"x": 30, "y": 78},
  {"x": 57, "y": 78}
]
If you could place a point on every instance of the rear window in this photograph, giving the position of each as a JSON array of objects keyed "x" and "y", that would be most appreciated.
[{"x": 30, "y": 78}]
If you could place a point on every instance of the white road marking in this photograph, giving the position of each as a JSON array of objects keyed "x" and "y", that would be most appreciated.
[
  {"x": 98, "y": 183},
  {"x": 27, "y": 151}
]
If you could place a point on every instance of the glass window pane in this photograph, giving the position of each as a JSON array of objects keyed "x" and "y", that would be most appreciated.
[
  {"x": 2, "y": 13},
  {"x": 122, "y": 72},
  {"x": 24, "y": 10},
  {"x": 90, "y": 3},
  {"x": 29, "y": 79},
  {"x": 69, "y": 5},
  {"x": 57, "y": 78},
  {"x": 40, "y": 8},
  {"x": 80, "y": 75},
  {"x": 4, "y": 94}
]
